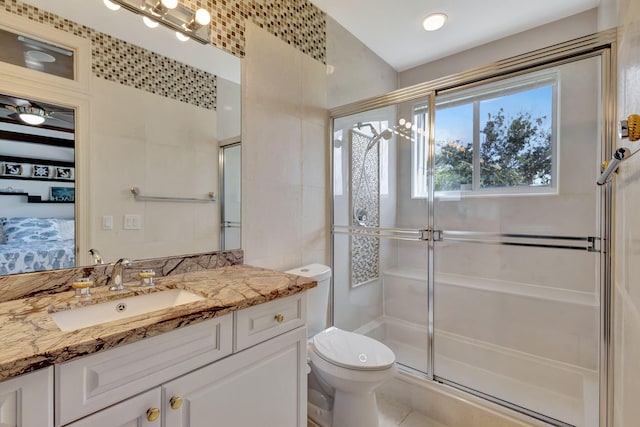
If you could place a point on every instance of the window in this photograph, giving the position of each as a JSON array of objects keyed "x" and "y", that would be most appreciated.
[{"x": 496, "y": 140}]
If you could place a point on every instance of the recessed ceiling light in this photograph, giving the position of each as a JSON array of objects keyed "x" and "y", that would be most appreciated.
[{"x": 435, "y": 21}]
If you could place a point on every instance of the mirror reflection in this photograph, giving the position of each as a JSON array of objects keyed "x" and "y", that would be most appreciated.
[
  {"x": 156, "y": 123},
  {"x": 37, "y": 183}
]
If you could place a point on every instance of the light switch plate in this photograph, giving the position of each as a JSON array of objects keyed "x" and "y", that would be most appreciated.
[
  {"x": 132, "y": 222},
  {"x": 107, "y": 222}
]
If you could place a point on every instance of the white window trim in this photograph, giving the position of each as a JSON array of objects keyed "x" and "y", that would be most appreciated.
[{"x": 488, "y": 91}]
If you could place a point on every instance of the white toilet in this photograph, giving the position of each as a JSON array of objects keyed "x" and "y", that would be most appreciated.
[{"x": 346, "y": 367}]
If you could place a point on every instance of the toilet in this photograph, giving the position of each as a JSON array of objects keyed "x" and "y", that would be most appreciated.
[{"x": 345, "y": 367}]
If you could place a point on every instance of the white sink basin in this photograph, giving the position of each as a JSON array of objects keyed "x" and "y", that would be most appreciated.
[{"x": 82, "y": 317}]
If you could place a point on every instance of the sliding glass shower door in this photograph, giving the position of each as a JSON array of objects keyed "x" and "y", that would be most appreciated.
[
  {"x": 516, "y": 262},
  {"x": 468, "y": 234}
]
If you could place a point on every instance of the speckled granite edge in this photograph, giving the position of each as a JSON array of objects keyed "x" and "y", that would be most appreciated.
[
  {"x": 31, "y": 340},
  {"x": 47, "y": 282}
]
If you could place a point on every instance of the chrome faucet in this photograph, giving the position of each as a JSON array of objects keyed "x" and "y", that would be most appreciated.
[
  {"x": 97, "y": 258},
  {"x": 116, "y": 281}
]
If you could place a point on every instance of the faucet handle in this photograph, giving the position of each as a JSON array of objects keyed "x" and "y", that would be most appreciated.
[{"x": 82, "y": 287}]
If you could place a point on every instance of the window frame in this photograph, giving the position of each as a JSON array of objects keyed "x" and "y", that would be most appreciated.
[{"x": 475, "y": 96}]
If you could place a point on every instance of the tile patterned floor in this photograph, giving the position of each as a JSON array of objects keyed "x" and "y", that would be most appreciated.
[{"x": 393, "y": 414}]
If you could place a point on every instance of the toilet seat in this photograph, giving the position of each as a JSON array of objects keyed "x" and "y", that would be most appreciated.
[{"x": 352, "y": 351}]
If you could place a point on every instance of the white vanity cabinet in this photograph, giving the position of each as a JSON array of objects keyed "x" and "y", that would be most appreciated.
[
  {"x": 192, "y": 377},
  {"x": 139, "y": 411},
  {"x": 256, "y": 387},
  {"x": 27, "y": 400}
]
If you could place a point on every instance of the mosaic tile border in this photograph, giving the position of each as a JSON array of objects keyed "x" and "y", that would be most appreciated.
[
  {"x": 125, "y": 63},
  {"x": 365, "y": 197},
  {"x": 52, "y": 281}
]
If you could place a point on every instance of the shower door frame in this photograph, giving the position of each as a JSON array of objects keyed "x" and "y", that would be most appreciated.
[{"x": 603, "y": 45}]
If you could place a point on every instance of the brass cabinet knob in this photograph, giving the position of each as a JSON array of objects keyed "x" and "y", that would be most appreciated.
[
  {"x": 153, "y": 414},
  {"x": 175, "y": 402},
  {"x": 279, "y": 318}
]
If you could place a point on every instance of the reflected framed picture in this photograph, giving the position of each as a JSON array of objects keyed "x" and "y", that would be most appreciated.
[
  {"x": 39, "y": 171},
  {"x": 12, "y": 169},
  {"x": 64, "y": 173},
  {"x": 63, "y": 194}
]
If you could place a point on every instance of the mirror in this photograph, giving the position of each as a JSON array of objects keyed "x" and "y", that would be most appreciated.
[{"x": 166, "y": 147}]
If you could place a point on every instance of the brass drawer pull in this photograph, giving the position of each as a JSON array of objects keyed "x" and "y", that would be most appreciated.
[
  {"x": 279, "y": 318},
  {"x": 175, "y": 402},
  {"x": 153, "y": 414}
]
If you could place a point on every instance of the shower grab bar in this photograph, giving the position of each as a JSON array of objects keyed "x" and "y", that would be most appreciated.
[
  {"x": 588, "y": 243},
  {"x": 140, "y": 198}
]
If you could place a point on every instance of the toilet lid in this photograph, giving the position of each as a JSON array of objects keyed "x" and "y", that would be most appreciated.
[{"x": 352, "y": 351}]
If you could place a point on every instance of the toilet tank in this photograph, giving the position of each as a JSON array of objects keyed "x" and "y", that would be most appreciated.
[{"x": 318, "y": 297}]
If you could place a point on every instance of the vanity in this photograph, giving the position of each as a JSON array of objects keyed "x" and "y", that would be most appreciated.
[{"x": 236, "y": 357}]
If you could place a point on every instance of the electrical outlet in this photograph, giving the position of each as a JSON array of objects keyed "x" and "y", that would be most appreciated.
[
  {"x": 132, "y": 222},
  {"x": 107, "y": 222}
]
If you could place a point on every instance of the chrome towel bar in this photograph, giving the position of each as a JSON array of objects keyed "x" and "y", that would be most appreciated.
[{"x": 140, "y": 198}]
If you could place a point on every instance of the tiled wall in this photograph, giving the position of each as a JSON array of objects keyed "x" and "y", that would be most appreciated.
[
  {"x": 365, "y": 173},
  {"x": 297, "y": 22},
  {"x": 130, "y": 65},
  {"x": 284, "y": 155}
]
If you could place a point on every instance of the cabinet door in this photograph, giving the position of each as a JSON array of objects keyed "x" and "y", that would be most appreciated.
[
  {"x": 130, "y": 413},
  {"x": 264, "y": 384},
  {"x": 27, "y": 400}
]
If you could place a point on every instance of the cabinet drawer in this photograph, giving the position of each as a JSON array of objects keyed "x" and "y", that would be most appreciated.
[
  {"x": 91, "y": 383},
  {"x": 262, "y": 322},
  {"x": 131, "y": 412}
]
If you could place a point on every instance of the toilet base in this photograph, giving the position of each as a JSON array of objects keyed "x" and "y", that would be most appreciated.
[{"x": 355, "y": 410}]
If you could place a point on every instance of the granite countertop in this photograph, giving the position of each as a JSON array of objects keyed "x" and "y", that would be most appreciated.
[{"x": 31, "y": 340}]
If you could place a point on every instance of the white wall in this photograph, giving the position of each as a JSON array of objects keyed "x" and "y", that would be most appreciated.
[
  {"x": 166, "y": 148},
  {"x": 284, "y": 154},
  {"x": 627, "y": 229},
  {"x": 354, "y": 71},
  {"x": 229, "y": 110},
  {"x": 555, "y": 32}
]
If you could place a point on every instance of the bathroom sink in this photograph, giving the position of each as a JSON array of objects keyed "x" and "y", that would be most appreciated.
[{"x": 82, "y": 317}]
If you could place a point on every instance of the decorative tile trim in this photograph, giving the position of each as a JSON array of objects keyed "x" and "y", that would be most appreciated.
[
  {"x": 365, "y": 197},
  {"x": 47, "y": 282},
  {"x": 125, "y": 63}
]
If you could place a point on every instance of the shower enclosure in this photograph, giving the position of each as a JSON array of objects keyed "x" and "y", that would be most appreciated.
[{"x": 469, "y": 234}]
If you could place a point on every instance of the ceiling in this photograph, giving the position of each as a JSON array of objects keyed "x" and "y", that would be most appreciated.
[{"x": 393, "y": 28}]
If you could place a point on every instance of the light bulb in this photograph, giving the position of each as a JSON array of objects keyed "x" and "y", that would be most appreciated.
[
  {"x": 111, "y": 5},
  {"x": 150, "y": 22},
  {"x": 170, "y": 4},
  {"x": 181, "y": 36},
  {"x": 203, "y": 17},
  {"x": 402, "y": 122},
  {"x": 32, "y": 119},
  {"x": 435, "y": 21}
]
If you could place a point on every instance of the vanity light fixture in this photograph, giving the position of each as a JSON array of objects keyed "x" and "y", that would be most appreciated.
[
  {"x": 181, "y": 36},
  {"x": 434, "y": 22},
  {"x": 111, "y": 5},
  {"x": 149, "y": 22},
  {"x": 186, "y": 22},
  {"x": 32, "y": 115}
]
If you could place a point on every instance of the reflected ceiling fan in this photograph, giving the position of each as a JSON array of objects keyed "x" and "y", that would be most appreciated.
[{"x": 35, "y": 113}]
